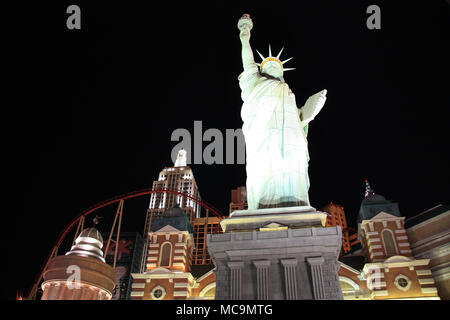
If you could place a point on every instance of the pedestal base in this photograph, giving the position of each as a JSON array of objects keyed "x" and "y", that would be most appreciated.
[
  {"x": 276, "y": 254},
  {"x": 290, "y": 217}
]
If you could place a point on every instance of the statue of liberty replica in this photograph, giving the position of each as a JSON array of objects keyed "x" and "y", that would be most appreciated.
[
  {"x": 275, "y": 130},
  {"x": 279, "y": 248}
]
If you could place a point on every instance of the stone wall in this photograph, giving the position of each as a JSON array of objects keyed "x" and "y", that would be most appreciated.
[{"x": 289, "y": 264}]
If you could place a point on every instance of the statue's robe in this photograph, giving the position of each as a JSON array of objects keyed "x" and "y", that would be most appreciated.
[{"x": 276, "y": 144}]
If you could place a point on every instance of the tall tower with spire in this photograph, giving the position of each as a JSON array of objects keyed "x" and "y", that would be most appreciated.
[
  {"x": 369, "y": 190},
  {"x": 80, "y": 274},
  {"x": 373, "y": 204},
  {"x": 178, "y": 178},
  {"x": 391, "y": 271}
]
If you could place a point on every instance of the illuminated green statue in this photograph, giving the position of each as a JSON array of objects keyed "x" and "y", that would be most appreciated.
[{"x": 275, "y": 130}]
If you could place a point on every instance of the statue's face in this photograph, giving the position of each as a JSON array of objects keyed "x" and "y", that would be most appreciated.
[{"x": 272, "y": 69}]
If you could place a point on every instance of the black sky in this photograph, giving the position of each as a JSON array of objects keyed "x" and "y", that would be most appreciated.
[{"x": 93, "y": 109}]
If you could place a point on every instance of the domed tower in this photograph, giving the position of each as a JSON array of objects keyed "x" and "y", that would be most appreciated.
[
  {"x": 373, "y": 204},
  {"x": 391, "y": 271},
  {"x": 81, "y": 274}
]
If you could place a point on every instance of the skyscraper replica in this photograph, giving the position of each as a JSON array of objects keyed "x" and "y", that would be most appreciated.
[
  {"x": 178, "y": 178},
  {"x": 82, "y": 273},
  {"x": 176, "y": 264},
  {"x": 279, "y": 248},
  {"x": 336, "y": 217}
]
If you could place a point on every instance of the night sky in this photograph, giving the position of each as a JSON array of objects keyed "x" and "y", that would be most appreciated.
[{"x": 93, "y": 110}]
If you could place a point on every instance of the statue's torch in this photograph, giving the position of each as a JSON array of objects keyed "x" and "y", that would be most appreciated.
[{"x": 245, "y": 22}]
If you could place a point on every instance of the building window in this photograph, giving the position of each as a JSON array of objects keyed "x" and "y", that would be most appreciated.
[
  {"x": 402, "y": 282},
  {"x": 389, "y": 243},
  {"x": 158, "y": 293},
  {"x": 209, "y": 292},
  {"x": 350, "y": 289},
  {"x": 166, "y": 252}
]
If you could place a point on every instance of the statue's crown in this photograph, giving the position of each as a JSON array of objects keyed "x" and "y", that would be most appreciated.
[{"x": 272, "y": 58}]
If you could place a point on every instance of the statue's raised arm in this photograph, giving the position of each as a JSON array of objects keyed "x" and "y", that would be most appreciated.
[{"x": 245, "y": 25}]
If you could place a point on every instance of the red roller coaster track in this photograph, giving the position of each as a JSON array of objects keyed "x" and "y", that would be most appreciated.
[{"x": 105, "y": 203}]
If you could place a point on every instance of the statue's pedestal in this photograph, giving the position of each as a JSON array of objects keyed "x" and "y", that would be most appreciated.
[{"x": 276, "y": 253}]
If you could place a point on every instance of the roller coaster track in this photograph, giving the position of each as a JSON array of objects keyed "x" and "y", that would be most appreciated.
[{"x": 91, "y": 209}]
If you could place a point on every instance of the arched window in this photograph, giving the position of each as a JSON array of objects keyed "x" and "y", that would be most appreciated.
[
  {"x": 389, "y": 243},
  {"x": 348, "y": 286},
  {"x": 209, "y": 292},
  {"x": 166, "y": 252}
]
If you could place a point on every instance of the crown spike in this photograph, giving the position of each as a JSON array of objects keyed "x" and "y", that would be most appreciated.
[
  {"x": 288, "y": 69},
  {"x": 262, "y": 57},
  {"x": 283, "y": 62},
  {"x": 279, "y": 54},
  {"x": 270, "y": 51}
]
